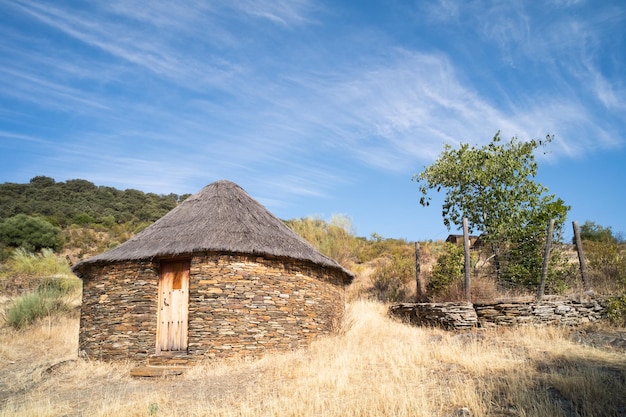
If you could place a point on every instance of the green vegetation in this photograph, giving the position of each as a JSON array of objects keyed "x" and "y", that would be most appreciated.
[
  {"x": 334, "y": 239},
  {"x": 32, "y": 215},
  {"x": 392, "y": 261},
  {"x": 592, "y": 232},
  {"x": 31, "y": 233},
  {"x": 82, "y": 203},
  {"x": 393, "y": 280},
  {"x": 493, "y": 188},
  {"x": 45, "y": 301},
  {"x": 447, "y": 270},
  {"x": 56, "y": 285},
  {"x": 606, "y": 256},
  {"x": 616, "y": 310},
  {"x": 38, "y": 265},
  {"x": 101, "y": 218}
]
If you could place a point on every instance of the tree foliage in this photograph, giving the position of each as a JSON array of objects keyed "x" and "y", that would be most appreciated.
[
  {"x": 590, "y": 231},
  {"x": 447, "y": 270},
  {"x": 82, "y": 203},
  {"x": 30, "y": 233},
  {"x": 493, "y": 186}
]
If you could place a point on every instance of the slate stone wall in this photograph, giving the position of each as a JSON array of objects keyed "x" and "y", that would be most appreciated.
[
  {"x": 568, "y": 312},
  {"x": 239, "y": 305},
  {"x": 118, "y": 315},
  {"x": 449, "y": 315}
]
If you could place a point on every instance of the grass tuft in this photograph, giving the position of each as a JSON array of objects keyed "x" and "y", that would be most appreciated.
[
  {"x": 46, "y": 263},
  {"x": 36, "y": 305}
]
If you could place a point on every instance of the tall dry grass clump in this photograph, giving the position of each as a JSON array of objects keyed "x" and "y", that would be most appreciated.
[
  {"x": 45, "y": 263},
  {"x": 54, "y": 288}
]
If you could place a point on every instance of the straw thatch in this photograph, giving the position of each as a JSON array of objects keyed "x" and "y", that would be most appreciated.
[{"x": 223, "y": 218}]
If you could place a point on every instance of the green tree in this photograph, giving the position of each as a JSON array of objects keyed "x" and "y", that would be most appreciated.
[
  {"x": 594, "y": 232},
  {"x": 31, "y": 233},
  {"x": 493, "y": 187}
]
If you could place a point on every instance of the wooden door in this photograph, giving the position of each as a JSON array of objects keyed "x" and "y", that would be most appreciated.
[{"x": 173, "y": 306}]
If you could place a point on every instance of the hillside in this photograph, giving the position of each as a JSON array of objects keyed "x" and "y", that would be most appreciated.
[
  {"x": 374, "y": 365},
  {"x": 79, "y": 219},
  {"x": 90, "y": 219}
]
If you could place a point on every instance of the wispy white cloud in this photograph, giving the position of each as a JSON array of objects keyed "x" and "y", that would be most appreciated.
[
  {"x": 283, "y": 12},
  {"x": 41, "y": 91},
  {"x": 149, "y": 49},
  {"x": 20, "y": 137}
]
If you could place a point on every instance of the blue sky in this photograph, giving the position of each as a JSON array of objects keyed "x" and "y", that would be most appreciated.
[{"x": 314, "y": 107}]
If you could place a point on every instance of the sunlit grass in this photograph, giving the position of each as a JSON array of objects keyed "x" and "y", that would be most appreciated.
[
  {"x": 375, "y": 366},
  {"x": 46, "y": 263}
]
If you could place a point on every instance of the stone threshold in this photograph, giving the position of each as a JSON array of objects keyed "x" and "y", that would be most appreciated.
[{"x": 151, "y": 371}]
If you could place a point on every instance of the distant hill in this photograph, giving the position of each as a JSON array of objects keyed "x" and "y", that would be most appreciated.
[{"x": 82, "y": 203}]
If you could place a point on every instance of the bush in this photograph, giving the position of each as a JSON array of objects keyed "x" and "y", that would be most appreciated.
[
  {"x": 31, "y": 233},
  {"x": 447, "y": 270},
  {"x": 46, "y": 300},
  {"x": 607, "y": 261},
  {"x": 391, "y": 280},
  {"x": 333, "y": 239},
  {"x": 30, "y": 307},
  {"x": 59, "y": 286},
  {"x": 616, "y": 310}
]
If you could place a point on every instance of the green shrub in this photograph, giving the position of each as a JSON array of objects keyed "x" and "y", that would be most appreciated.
[
  {"x": 391, "y": 279},
  {"x": 616, "y": 310},
  {"x": 60, "y": 285},
  {"x": 55, "y": 283},
  {"x": 447, "y": 270},
  {"x": 334, "y": 239},
  {"x": 31, "y": 233},
  {"x": 607, "y": 261},
  {"x": 30, "y": 307}
]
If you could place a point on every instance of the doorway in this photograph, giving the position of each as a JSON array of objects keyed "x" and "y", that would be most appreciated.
[{"x": 173, "y": 306}]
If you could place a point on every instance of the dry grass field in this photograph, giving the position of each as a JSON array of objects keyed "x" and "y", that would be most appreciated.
[{"x": 374, "y": 366}]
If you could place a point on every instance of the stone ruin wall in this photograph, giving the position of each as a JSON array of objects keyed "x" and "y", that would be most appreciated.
[
  {"x": 566, "y": 312},
  {"x": 238, "y": 306}
]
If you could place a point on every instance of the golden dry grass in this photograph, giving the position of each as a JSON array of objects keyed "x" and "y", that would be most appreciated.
[{"x": 375, "y": 366}]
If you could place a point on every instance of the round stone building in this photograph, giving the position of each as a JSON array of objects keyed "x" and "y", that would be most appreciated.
[{"x": 218, "y": 276}]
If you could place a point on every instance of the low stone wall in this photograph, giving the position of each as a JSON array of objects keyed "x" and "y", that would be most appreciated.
[
  {"x": 446, "y": 315},
  {"x": 565, "y": 312}
]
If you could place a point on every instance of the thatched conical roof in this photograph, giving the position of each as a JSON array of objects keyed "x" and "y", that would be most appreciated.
[{"x": 222, "y": 217}]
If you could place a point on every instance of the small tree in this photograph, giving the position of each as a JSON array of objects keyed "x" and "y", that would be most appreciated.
[
  {"x": 493, "y": 187},
  {"x": 591, "y": 231},
  {"x": 30, "y": 233},
  {"x": 447, "y": 270}
]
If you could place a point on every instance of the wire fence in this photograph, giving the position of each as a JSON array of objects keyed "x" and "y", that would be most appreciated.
[{"x": 538, "y": 264}]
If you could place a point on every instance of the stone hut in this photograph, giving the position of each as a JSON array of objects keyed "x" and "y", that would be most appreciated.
[{"x": 218, "y": 276}]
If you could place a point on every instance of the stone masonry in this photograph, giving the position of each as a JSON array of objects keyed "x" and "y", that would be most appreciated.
[
  {"x": 239, "y": 305},
  {"x": 568, "y": 312}
]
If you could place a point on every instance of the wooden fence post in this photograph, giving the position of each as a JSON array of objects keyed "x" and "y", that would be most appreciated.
[
  {"x": 581, "y": 256},
  {"x": 546, "y": 260},
  {"x": 466, "y": 246},
  {"x": 421, "y": 293}
]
